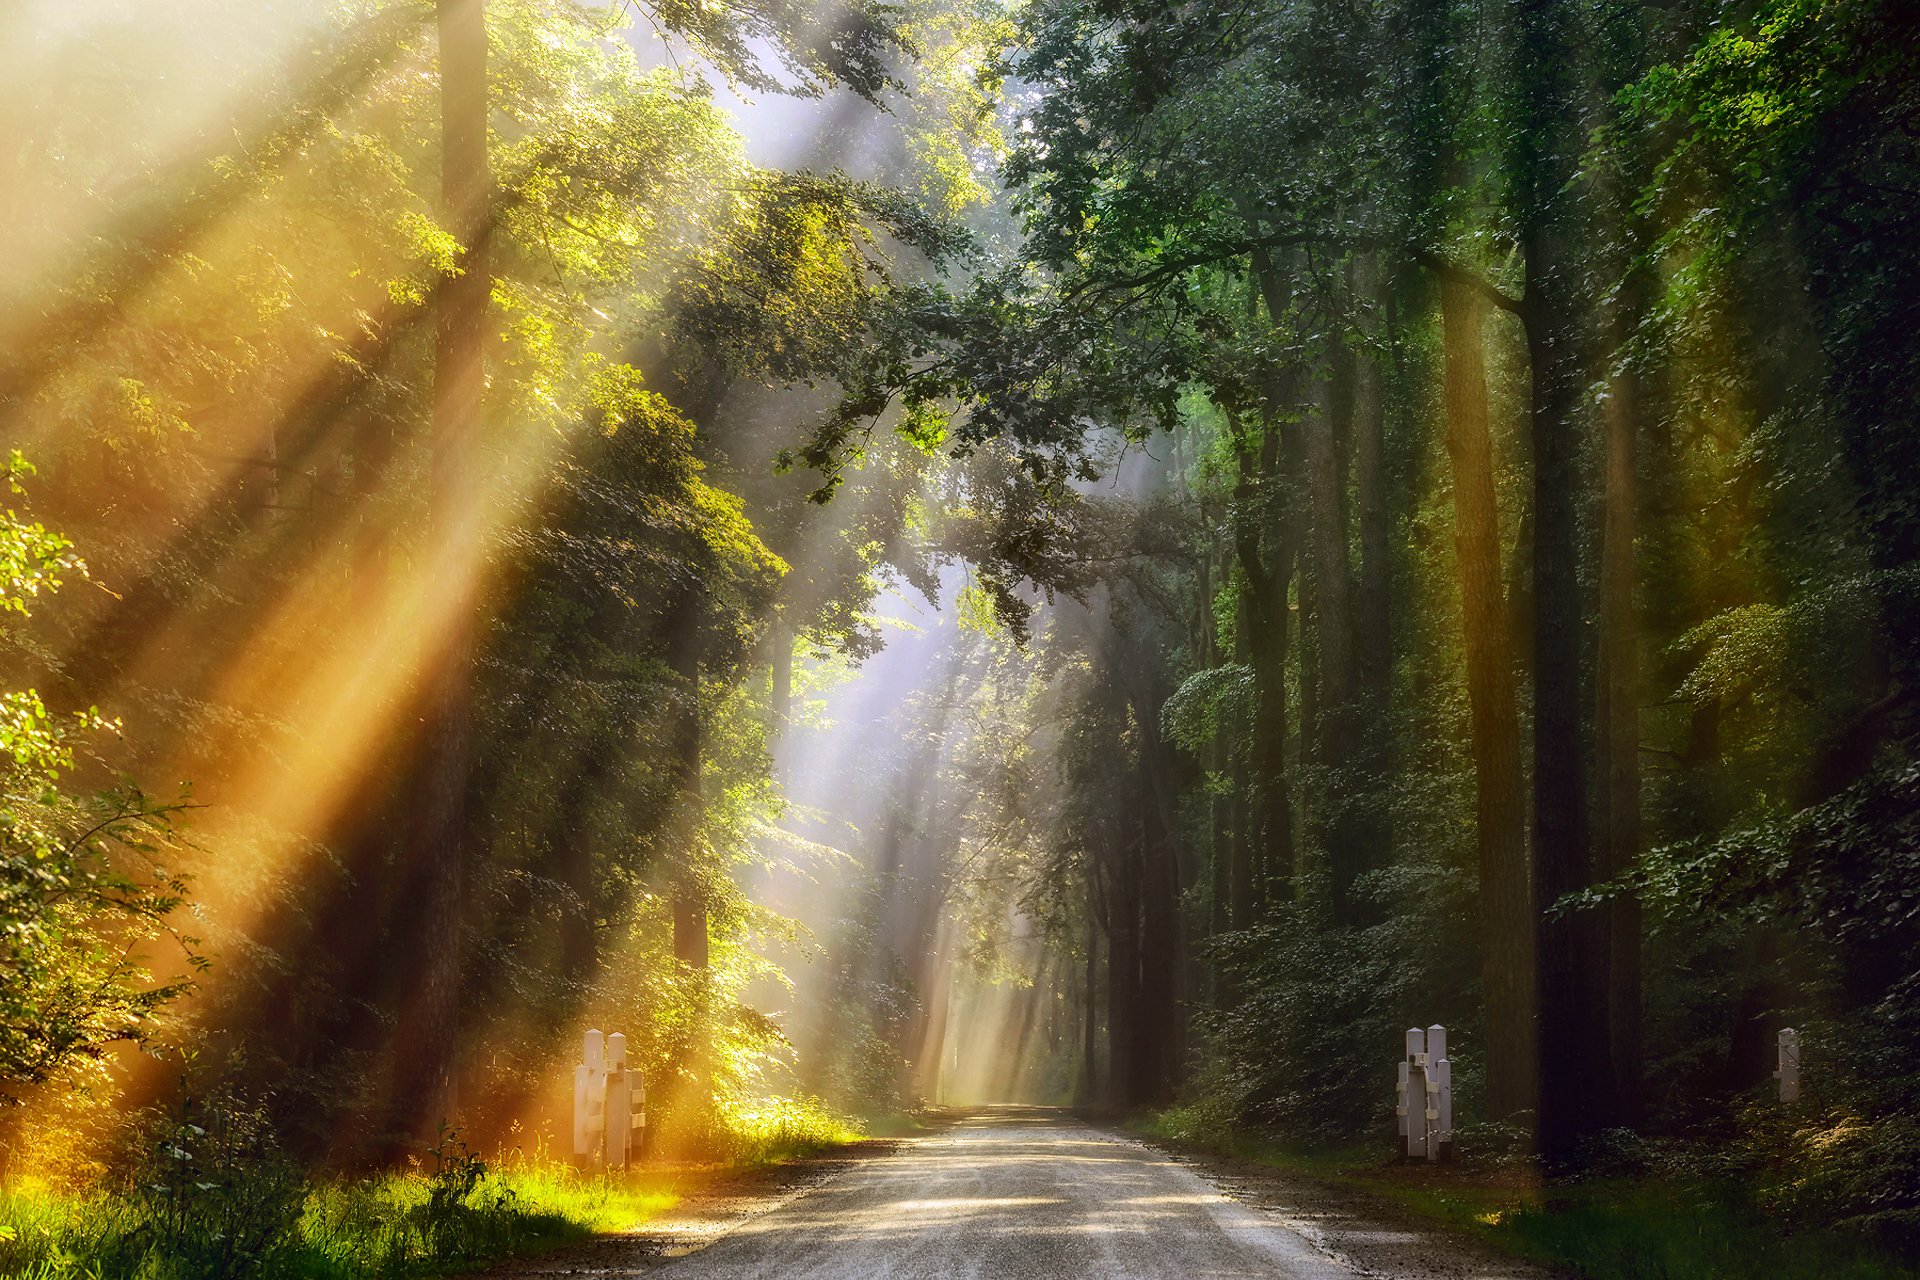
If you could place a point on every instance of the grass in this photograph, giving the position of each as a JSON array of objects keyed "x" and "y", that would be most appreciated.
[
  {"x": 391, "y": 1226},
  {"x": 1605, "y": 1229},
  {"x": 212, "y": 1196},
  {"x": 777, "y": 1130},
  {"x": 1640, "y": 1230},
  {"x": 211, "y": 1206}
]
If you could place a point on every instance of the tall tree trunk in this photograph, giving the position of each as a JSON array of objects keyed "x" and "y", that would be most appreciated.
[
  {"x": 1372, "y": 616},
  {"x": 930, "y": 1046},
  {"x": 1219, "y": 810},
  {"x": 1373, "y": 598},
  {"x": 1160, "y": 949},
  {"x": 1090, "y": 1032},
  {"x": 690, "y": 941},
  {"x": 438, "y": 852},
  {"x": 1333, "y": 616},
  {"x": 1617, "y": 801},
  {"x": 780, "y": 698},
  {"x": 1308, "y": 634},
  {"x": 1263, "y": 869},
  {"x": 1506, "y": 896},
  {"x": 1123, "y": 969},
  {"x": 1545, "y": 131},
  {"x": 1267, "y": 550},
  {"x": 1576, "y": 1086}
]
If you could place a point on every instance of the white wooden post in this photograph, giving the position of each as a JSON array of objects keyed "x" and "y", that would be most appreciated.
[
  {"x": 589, "y": 1094},
  {"x": 1415, "y": 1097},
  {"x": 1400, "y": 1107},
  {"x": 1788, "y": 1072},
  {"x": 1440, "y": 1095},
  {"x": 1403, "y": 1110},
  {"x": 617, "y": 1118}
]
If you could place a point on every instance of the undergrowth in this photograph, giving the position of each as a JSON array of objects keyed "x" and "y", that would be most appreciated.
[
  {"x": 391, "y": 1226},
  {"x": 1708, "y": 1214},
  {"x": 208, "y": 1194}
]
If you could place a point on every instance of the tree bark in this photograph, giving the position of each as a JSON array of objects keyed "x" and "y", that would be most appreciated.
[
  {"x": 1617, "y": 801},
  {"x": 780, "y": 696},
  {"x": 1333, "y": 619},
  {"x": 1160, "y": 949},
  {"x": 1090, "y": 1032},
  {"x": 1506, "y": 896},
  {"x": 1267, "y": 552},
  {"x": 690, "y": 941},
  {"x": 1546, "y": 139},
  {"x": 1373, "y": 598},
  {"x": 438, "y": 852},
  {"x": 1123, "y": 969},
  {"x": 1576, "y": 1086},
  {"x": 1263, "y": 871}
]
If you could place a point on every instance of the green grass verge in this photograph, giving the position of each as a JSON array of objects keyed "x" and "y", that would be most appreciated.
[
  {"x": 213, "y": 1198},
  {"x": 1640, "y": 1230},
  {"x": 1611, "y": 1229},
  {"x": 389, "y": 1227}
]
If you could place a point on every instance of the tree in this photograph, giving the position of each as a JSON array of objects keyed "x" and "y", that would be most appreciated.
[
  {"x": 439, "y": 844},
  {"x": 85, "y": 880}
]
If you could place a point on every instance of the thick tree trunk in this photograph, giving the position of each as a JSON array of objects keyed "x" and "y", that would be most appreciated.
[
  {"x": 1267, "y": 551},
  {"x": 1308, "y": 634},
  {"x": 1506, "y": 897},
  {"x": 1333, "y": 617},
  {"x": 1263, "y": 870},
  {"x": 1160, "y": 944},
  {"x": 577, "y": 869},
  {"x": 1576, "y": 1083},
  {"x": 438, "y": 843},
  {"x": 1373, "y": 599},
  {"x": 1618, "y": 721},
  {"x": 1123, "y": 970},
  {"x": 930, "y": 1046},
  {"x": 690, "y": 940},
  {"x": 1090, "y": 1031},
  {"x": 1372, "y": 620}
]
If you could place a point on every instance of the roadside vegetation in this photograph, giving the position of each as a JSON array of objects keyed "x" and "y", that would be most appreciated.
[
  {"x": 208, "y": 1192},
  {"x": 1643, "y": 1211}
]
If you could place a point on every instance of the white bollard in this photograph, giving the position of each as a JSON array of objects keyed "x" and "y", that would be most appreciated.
[
  {"x": 589, "y": 1094},
  {"x": 1440, "y": 1095},
  {"x": 1412, "y": 1102},
  {"x": 1423, "y": 1105},
  {"x": 619, "y": 1110},
  {"x": 1417, "y": 1104},
  {"x": 1788, "y": 1072},
  {"x": 1400, "y": 1107}
]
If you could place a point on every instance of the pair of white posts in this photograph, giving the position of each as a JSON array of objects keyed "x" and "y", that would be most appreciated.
[
  {"x": 609, "y": 1102},
  {"x": 1788, "y": 1072},
  {"x": 1425, "y": 1107}
]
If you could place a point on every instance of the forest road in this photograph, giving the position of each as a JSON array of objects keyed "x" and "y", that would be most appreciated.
[{"x": 1022, "y": 1192}]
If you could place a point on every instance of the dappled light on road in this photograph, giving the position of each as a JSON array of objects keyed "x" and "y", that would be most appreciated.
[{"x": 1032, "y": 1193}]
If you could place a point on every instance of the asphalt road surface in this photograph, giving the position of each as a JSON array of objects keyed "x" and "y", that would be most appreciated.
[{"x": 1029, "y": 1194}]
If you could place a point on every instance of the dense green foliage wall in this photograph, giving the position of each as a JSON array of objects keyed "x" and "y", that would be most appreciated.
[{"x": 1475, "y": 440}]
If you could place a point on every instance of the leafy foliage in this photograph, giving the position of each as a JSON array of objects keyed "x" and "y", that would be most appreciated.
[{"x": 83, "y": 884}]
